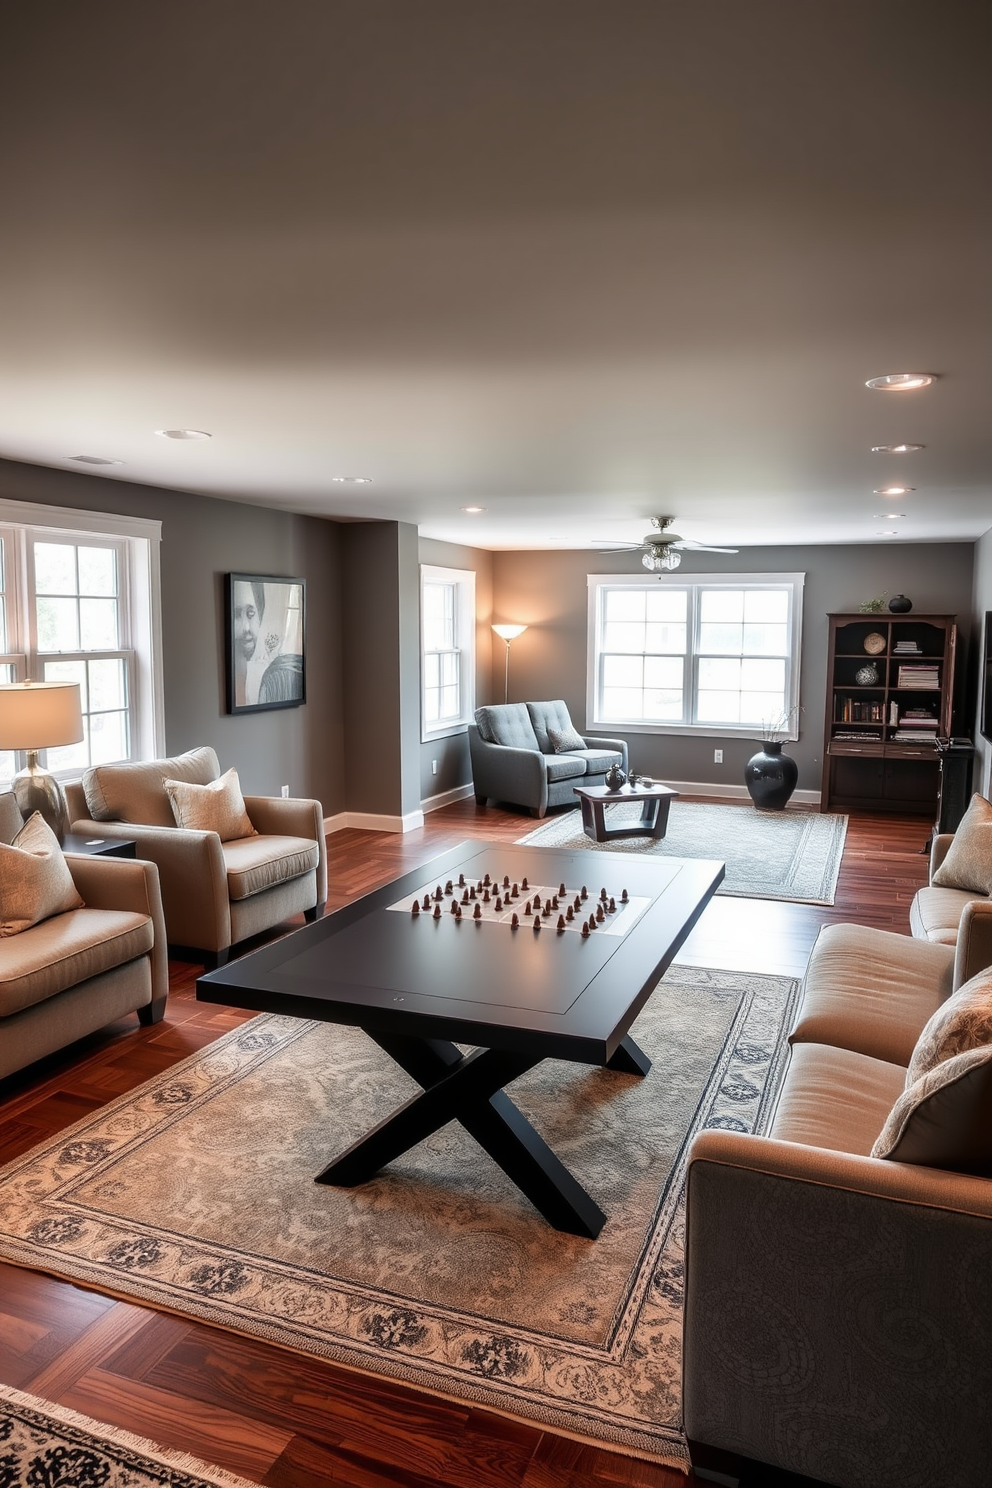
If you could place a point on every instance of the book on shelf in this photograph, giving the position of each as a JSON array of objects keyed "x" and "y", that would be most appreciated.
[
  {"x": 914, "y": 736},
  {"x": 907, "y": 648},
  {"x": 863, "y": 736},
  {"x": 923, "y": 678}
]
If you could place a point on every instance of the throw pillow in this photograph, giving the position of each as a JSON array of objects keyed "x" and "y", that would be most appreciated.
[
  {"x": 218, "y": 807},
  {"x": 968, "y": 864},
  {"x": 35, "y": 882},
  {"x": 963, "y": 1022},
  {"x": 564, "y": 740},
  {"x": 944, "y": 1120}
]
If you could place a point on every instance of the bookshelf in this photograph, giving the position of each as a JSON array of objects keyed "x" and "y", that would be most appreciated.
[{"x": 890, "y": 681}]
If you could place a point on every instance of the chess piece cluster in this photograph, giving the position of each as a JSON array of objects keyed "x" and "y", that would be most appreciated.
[{"x": 470, "y": 898}]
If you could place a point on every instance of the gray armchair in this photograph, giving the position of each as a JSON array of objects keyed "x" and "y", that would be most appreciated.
[{"x": 514, "y": 757}]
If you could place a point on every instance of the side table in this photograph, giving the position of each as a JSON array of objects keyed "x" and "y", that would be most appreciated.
[
  {"x": 105, "y": 847},
  {"x": 653, "y": 821}
]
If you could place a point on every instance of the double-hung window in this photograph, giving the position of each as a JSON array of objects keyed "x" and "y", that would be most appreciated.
[
  {"x": 79, "y": 602},
  {"x": 447, "y": 625},
  {"x": 710, "y": 654}
]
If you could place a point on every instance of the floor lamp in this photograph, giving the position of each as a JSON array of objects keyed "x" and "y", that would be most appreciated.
[{"x": 508, "y": 633}]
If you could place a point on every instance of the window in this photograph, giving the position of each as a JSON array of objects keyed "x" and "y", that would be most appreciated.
[
  {"x": 79, "y": 603},
  {"x": 447, "y": 629},
  {"x": 718, "y": 654}
]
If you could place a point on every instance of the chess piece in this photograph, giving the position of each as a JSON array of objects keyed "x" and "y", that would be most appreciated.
[
  {"x": 461, "y": 880},
  {"x": 561, "y": 922},
  {"x": 499, "y": 904},
  {"x": 562, "y": 891},
  {"x": 448, "y": 887},
  {"x": 584, "y": 892},
  {"x": 570, "y": 913},
  {"x": 415, "y": 909},
  {"x": 515, "y": 921},
  {"x": 537, "y": 922},
  {"x": 427, "y": 901},
  {"x": 437, "y": 911},
  {"x": 600, "y": 914},
  {"x": 438, "y": 895},
  {"x": 624, "y": 897},
  {"x": 477, "y": 913},
  {"x": 613, "y": 905},
  {"x": 523, "y": 884},
  {"x": 585, "y": 929}
]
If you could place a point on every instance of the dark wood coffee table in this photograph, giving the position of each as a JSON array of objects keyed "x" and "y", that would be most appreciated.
[
  {"x": 653, "y": 821},
  {"x": 419, "y": 985}
]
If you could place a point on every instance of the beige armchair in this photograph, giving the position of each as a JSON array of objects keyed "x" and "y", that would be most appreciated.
[
  {"x": 215, "y": 893},
  {"x": 76, "y": 972}
]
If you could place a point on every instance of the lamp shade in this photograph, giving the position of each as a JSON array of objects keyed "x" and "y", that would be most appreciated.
[
  {"x": 39, "y": 715},
  {"x": 509, "y": 632}
]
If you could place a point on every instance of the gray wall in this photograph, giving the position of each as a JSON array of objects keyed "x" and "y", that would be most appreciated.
[
  {"x": 547, "y": 592},
  {"x": 451, "y": 753},
  {"x": 202, "y": 539}
]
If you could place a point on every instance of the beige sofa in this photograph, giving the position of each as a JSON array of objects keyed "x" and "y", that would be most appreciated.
[
  {"x": 76, "y": 972},
  {"x": 838, "y": 1306},
  {"x": 936, "y": 912},
  {"x": 215, "y": 893}
]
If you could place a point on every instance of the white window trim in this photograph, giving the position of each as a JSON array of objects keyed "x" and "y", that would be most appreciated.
[
  {"x": 144, "y": 539},
  {"x": 464, "y": 581},
  {"x": 596, "y": 582}
]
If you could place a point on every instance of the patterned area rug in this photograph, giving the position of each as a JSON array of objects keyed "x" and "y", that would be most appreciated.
[
  {"x": 195, "y": 1193},
  {"x": 47, "y": 1446},
  {"x": 791, "y": 855}
]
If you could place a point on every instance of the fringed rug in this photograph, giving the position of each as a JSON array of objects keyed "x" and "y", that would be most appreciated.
[
  {"x": 195, "y": 1193},
  {"x": 790, "y": 855},
  {"x": 43, "y": 1445}
]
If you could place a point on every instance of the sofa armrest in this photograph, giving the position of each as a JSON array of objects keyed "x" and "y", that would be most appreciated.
[
  {"x": 620, "y": 745},
  {"x": 292, "y": 816},
  {"x": 973, "y": 952},
  {"x": 508, "y": 774},
  {"x": 193, "y": 878},
  {"x": 815, "y": 1311},
  {"x": 126, "y": 883},
  {"x": 938, "y": 851}
]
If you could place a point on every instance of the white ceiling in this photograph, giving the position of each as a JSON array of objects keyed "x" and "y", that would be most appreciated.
[{"x": 575, "y": 261}]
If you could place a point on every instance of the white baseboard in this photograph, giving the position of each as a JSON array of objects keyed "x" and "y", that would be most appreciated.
[
  {"x": 373, "y": 821},
  {"x": 446, "y": 798},
  {"x": 728, "y": 792}
]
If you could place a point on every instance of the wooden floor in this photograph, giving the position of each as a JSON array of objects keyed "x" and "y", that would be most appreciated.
[{"x": 287, "y": 1421}]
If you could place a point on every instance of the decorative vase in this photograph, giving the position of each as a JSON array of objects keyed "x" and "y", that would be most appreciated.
[
  {"x": 867, "y": 676},
  {"x": 771, "y": 776},
  {"x": 615, "y": 778},
  {"x": 900, "y": 605}
]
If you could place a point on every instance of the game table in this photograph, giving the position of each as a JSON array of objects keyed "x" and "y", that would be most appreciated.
[{"x": 434, "y": 959}]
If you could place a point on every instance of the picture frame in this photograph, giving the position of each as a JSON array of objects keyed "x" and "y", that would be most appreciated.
[{"x": 265, "y": 647}]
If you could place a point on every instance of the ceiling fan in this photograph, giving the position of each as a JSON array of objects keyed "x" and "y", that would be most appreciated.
[{"x": 661, "y": 551}]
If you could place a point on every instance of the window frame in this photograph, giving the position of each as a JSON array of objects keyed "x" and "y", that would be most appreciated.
[
  {"x": 597, "y": 583},
  {"x": 137, "y": 541},
  {"x": 463, "y": 582}
]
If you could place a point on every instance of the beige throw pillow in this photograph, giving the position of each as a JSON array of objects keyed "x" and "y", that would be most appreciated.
[
  {"x": 944, "y": 1120},
  {"x": 218, "y": 807},
  {"x": 35, "y": 882},
  {"x": 963, "y": 1022},
  {"x": 968, "y": 864}
]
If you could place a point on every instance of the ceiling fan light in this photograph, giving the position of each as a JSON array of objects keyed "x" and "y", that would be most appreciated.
[{"x": 658, "y": 559}]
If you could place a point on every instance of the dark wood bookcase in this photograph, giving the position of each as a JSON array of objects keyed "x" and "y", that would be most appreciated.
[{"x": 875, "y": 756}]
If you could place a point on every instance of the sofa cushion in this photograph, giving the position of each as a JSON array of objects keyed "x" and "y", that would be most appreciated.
[
  {"x": 218, "y": 807},
  {"x": 68, "y": 949},
  {"x": 935, "y": 914},
  {"x": 944, "y": 1119},
  {"x": 835, "y": 1098},
  {"x": 260, "y": 862},
  {"x": 872, "y": 991},
  {"x": 963, "y": 1022},
  {"x": 507, "y": 723},
  {"x": 565, "y": 740},
  {"x": 551, "y": 715},
  {"x": 968, "y": 864},
  {"x": 11, "y": 820},
  {"x": 35, "y": 881},
  {"x": 598, "y": 761},
  {"x": 135, "y": 791},
  {"x": 564, "y": 767}
]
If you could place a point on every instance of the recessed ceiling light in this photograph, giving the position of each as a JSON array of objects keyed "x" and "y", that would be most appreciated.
[
  {"x": 93, "y": 460},
  {"x": 473, "y": 509},
  {"x": 892, "y": 533},
  {"x": 352, "y": 480},
  {"x": 893, "y": 490},
  {"x": 184, "y": 434},
  {"x": 900, "y": 382},
  {"x": 888, "y": 516},
  {"x": 895, "y": 449}
]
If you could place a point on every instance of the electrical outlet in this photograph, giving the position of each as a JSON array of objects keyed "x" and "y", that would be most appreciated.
[
  {"x": 718, "y": 756},
  {"x": 285, "y": 792},
  {"x": 433, "y": 767}
]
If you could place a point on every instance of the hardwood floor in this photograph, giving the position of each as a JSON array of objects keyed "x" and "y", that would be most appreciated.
[{"x": 292, "y": 1422}]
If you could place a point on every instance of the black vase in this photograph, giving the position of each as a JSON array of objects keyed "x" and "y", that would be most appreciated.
[
  {"x": 770, "y": 777},
  {"x": 900, "y": 605}
]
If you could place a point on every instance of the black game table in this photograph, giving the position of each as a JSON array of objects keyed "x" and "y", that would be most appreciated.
[{"x": 418, "y": 984}]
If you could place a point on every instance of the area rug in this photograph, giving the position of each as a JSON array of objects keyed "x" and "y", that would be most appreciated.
[
  {"x": 791, "y": 855},
  {"x": 195, "y": 1193},
  {"x": 43, "y": 1445}
]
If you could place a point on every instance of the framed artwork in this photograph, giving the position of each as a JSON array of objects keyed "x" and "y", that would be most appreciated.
[{"x": 266, "y": 642}]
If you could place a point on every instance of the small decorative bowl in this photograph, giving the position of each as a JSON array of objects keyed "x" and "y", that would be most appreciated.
[{"x": 874, "y": 643}]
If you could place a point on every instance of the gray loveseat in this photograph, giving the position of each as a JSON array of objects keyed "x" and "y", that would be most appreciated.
[{"x": 514, "y": 757}]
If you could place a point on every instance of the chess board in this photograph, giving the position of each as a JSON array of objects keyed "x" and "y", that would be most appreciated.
[{"x": 519, "y": 905}]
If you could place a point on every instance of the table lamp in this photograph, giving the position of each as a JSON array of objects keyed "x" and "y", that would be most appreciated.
[
  {"x": 33, "y": 716},
  {"x": 508, "y": 633}
]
